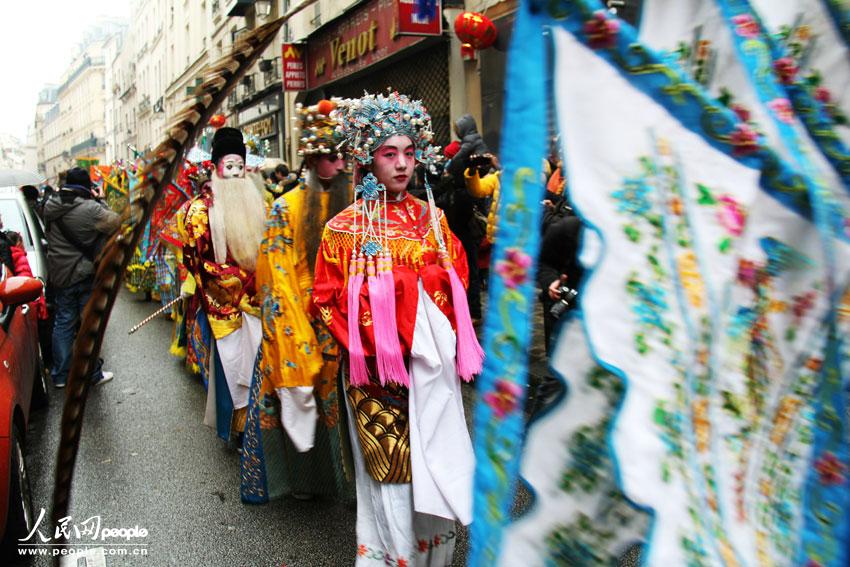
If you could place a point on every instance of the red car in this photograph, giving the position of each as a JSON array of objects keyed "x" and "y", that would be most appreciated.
[{"x": 21, "y": 384}]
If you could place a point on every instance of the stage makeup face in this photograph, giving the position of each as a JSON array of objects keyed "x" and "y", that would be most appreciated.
[{"x": 393, "y": 163}]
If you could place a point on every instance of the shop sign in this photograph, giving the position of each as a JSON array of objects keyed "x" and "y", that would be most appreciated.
[
  {"x": 411, "y": 23},
  {"x": 357, "y": 40},
  {"x": 294, "y": 68},
  {"x": 262, "y": 128}
]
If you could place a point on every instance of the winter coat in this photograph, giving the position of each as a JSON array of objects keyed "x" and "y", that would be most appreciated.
[
  {"x": 86, "y": 219},
  {"x": 471, "y": 143},
  {"x": 457, "y": 201},
  {"x": 20, "y": 261},
  {"x": 559, "y": 254},
  {"x": 22, "y": 268}
]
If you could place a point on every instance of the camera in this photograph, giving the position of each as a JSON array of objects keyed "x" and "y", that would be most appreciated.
[{"x": 567, "y": 300}]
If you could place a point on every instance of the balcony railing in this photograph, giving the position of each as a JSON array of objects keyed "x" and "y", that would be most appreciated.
[{"x": 92, "y": 142}]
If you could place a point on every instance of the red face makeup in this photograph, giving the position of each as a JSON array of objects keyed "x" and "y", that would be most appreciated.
[{"x": 393, "y": 163}]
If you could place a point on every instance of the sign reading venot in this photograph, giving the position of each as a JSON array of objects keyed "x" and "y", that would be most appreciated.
[
  {"x": 359, "y": 39},
  {"x": 294, "y": 68}
]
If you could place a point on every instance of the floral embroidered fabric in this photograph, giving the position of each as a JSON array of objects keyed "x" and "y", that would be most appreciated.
[{"x": 705, "y": 417}]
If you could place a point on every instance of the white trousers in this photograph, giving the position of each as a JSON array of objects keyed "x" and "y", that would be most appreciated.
[
  {"x": 389, "y": 525},
  {"x": 238, "y": 353}
]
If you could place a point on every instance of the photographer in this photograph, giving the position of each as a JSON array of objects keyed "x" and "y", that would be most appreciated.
[
  {"x": 461, "y": 206},
  {"x": 559, "y": 272}
]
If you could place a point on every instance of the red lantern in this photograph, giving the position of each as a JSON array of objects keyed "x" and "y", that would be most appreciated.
[
  {"x": 217, "y": 121},
  {"x": 475, "y": 29}
]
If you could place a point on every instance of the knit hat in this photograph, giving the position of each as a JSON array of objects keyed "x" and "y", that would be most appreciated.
[
  {"x": 227, "y": 141},
  {"x": 317, "y": 133},
  {"x": 451, "y": 150},
  {"x": 77, "y": 178}
]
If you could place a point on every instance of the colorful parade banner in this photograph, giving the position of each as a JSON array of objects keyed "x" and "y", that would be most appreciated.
[
  {"x": 705, "y": 420},
  {"x": 811, "y": 58},
  {"x": 498, "y": 413}
]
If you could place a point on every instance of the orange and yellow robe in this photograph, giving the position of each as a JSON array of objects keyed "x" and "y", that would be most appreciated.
[{"x": 297, "y": 351}]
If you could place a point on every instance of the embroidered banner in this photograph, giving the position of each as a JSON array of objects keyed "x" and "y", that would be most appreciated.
[{"x": 705, "y": 419}]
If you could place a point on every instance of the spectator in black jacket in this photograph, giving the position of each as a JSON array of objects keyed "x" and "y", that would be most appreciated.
[
  {"x": 459, "y": 205},
  {"x": 77, "y": 227},
  {"x": 558, "y": 267}
]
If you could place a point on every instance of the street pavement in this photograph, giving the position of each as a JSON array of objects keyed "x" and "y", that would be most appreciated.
[{"x": 147, "y": 460}]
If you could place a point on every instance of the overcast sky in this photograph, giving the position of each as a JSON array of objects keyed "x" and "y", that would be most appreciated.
[{"x": 38, "y": 41}]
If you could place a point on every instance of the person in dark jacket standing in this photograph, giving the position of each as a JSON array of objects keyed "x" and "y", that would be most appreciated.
[
  {"x": 459, "y": 205},
  {"x": 558, "y": 268},
  {"x": 471, "y": 143},
  {"x": 77, "y": 227}
]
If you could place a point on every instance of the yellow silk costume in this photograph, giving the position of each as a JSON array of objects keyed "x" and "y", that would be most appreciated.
[{"x": 297, "y": 349}]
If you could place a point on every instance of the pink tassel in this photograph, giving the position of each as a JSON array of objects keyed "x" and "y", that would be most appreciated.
[
  {"x": 382, "y": 299},
  {"x": 358, "y": 371},
  {"x": 470, "y": 355}
]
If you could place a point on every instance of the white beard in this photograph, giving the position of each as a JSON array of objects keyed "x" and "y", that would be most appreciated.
[{"x": 237, "y": 220}]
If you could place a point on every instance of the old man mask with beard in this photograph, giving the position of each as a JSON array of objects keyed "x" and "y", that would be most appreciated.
[{"x": 237, "y": 216}]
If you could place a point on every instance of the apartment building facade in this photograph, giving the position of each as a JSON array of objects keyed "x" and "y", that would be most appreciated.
[
  {"x": 72, "y": 128},
  {"x": 134, "y": 82}
]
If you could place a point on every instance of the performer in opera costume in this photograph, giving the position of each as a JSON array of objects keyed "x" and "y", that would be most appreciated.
[
  {"x": 296, "y": 374},
  {"x": 221, "y": 230},
  {"x": 390, "y": 285}
]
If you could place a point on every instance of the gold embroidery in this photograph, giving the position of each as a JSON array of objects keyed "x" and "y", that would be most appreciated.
[
  {"x": 440, "y": 298},
  {"x": 384, "y": 437},
  {"x": 366, "y": 319},
  {"x": 783, "y": 420},
  {"x": 326, "y": 315}
]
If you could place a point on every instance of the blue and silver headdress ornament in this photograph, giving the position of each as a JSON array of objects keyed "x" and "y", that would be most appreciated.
[{"x": 366, "y": 123}]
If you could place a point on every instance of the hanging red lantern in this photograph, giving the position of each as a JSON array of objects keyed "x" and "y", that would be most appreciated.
[
  {"x": 475, "y": 29},
  {"x": 217, "y": 121}
]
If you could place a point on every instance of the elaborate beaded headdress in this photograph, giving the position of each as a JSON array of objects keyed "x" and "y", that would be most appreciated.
[
  {"x": 317, "y": 130},
  {"x": 366, "y": 123}
]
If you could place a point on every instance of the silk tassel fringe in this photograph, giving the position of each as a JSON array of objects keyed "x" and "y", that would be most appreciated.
[
  {"x": 391, "y": 368},
  {"x": 358, "y": 371},
  {"x": 470, "y": 355}
]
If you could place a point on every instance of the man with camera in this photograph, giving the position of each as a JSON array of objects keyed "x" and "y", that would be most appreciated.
[
  {"x": 558, "y": 272},
  {"x": 77, "y": 223},
  {"x": 558, "y": 276}
]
